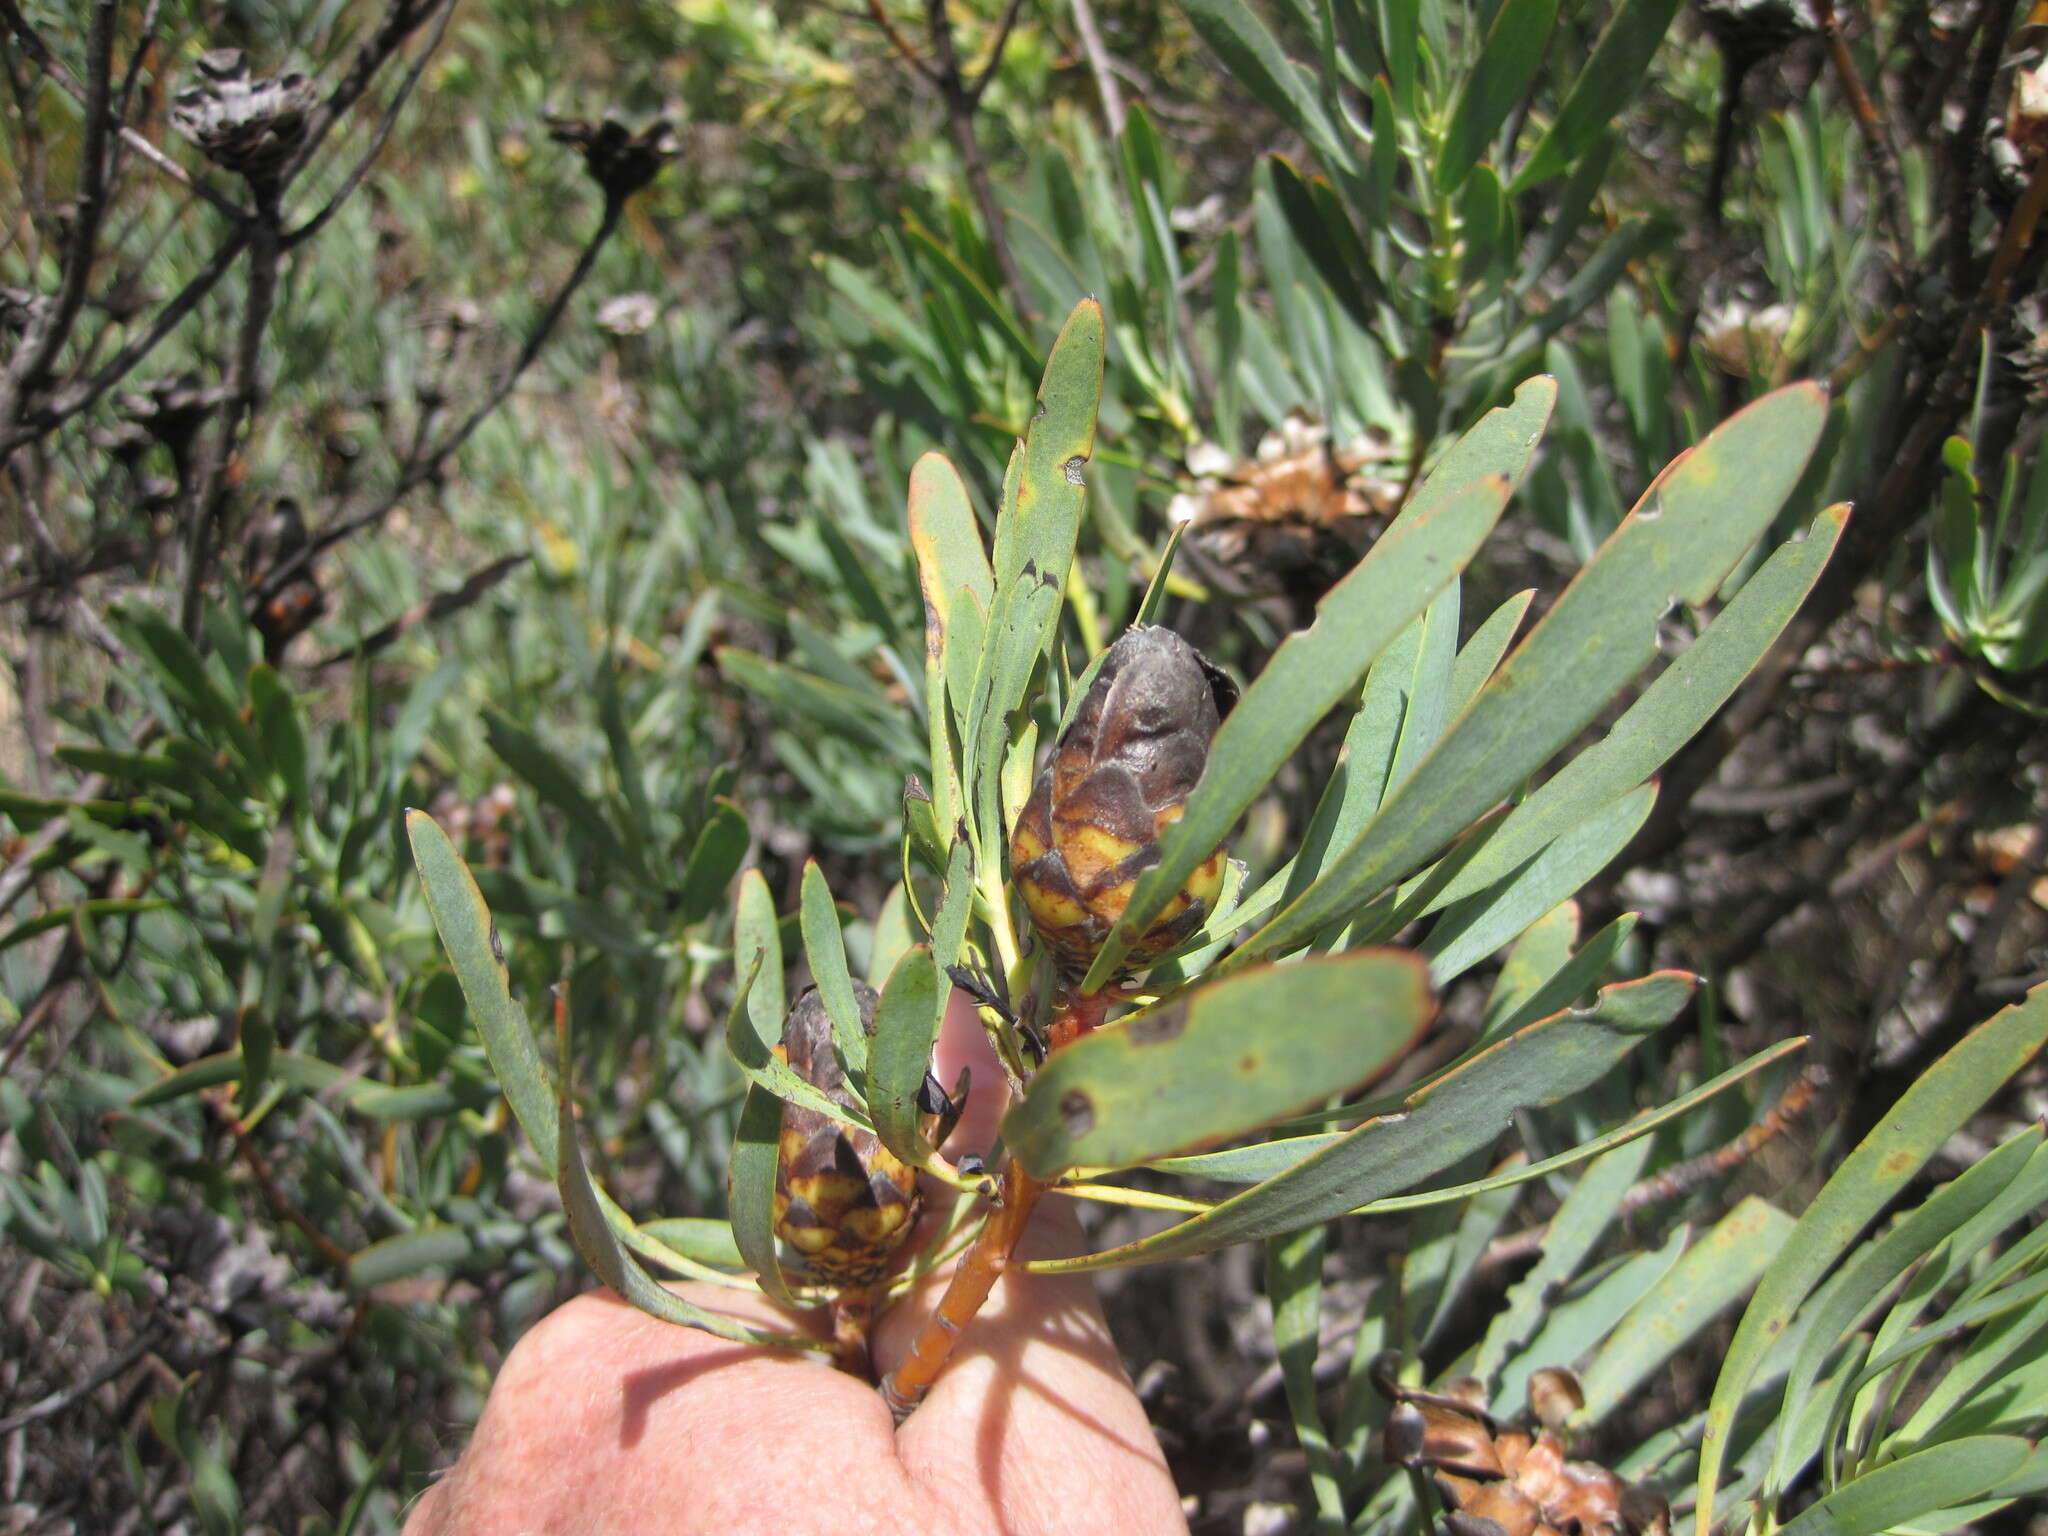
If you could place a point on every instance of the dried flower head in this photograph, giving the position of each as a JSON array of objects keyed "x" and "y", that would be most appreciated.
[
  {"x": 249, "y": 124},
  {"x": 620, "y": 159},
  {"x": 1119, "y": 777},
  {"x": 1292, "y": 518},
  {"x": 1746, "y": 340},
  {"x": 1499, "y": 1481},
  {"x": 842, "y": 1199}
]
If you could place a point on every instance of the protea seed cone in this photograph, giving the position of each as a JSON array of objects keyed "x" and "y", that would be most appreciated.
[
  {"x": 842, "y": 1199},
  {"x": 1119, "y": 777}
]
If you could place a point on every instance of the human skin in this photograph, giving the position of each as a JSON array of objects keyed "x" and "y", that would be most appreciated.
[{"x": 604, "y": 1420}]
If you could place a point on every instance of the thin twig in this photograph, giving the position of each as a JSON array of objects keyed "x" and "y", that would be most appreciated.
[
  {"x": 1877, "y": 139},
  {"x": 207, "y": 497},
  {"x": 959, "y": 102},
  {"x": 1682, "y": 1178},
  {"x": 399, "y": 20},
  {"x": 58, "y": 1401},
  {"x": 995, "y": 52},
  {"x": 78, "y": 396},
  {"x": 989, "y": 1255},
  {"x": 439, "y": 606},
  {"x": 39, "y": 53},
  {"x": 901, "y": 43},
  {"x": 1100, "y": 67},
  {"x": 1965, "y": 141},
  {"x": 280, "y": 1203},
  {"x": 422, "y": 466},
  {"x": 51, "y": 325},
  {"x": 354, "y": 179}
]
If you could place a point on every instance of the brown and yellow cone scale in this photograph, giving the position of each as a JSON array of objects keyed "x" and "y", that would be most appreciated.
[
  {"x": 1119, "y": 777},
  {"x": 842, "y": 1199}
]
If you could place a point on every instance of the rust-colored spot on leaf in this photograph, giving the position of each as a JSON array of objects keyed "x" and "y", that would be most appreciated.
[{"x": 1896, "y": 1165}]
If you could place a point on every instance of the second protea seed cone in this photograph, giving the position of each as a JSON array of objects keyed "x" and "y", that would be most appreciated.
[
  {"x": 842, "y": 1199},
  {"x": 1119, "y": 777}
]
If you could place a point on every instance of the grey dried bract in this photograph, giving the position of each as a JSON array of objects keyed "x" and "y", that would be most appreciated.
[
  {"x": 620, "y": 159},
  {"x": 249, "y": 124}
]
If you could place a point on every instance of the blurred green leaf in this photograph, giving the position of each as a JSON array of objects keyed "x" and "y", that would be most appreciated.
[
  {"x": 1507, "y": 63},
  {"x": 471, "y": 940},
  {"x": 1611, "y": 77},
  {"x": 1252, "y": 54}
]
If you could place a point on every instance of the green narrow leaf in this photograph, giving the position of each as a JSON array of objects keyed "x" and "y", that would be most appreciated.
[
  {"x": 906, "y": 1026},
  {"x": 618, "y": 1269},
  {"x": 1482, "y": 653},
  {"x": 1507, "y": 63},
  {"x": 1584, "y": 1217},
  {"x": 1912, "y": 1486},
  {"x": 1267, "y": 1044},
  {"x": 1615, "y": 72},
  {"x": 1672, "y": 710},
  {"x": 1926, "y": 1115},
  {"x": 1309, "y": 673},
  {"x": 1473, "y": 929},
  {"x": 1878, "y": 1265},
  {"x": 1539, "y": 954},
  {"x": 1294, "y": 1285},
  {"x": 1458, "y": 1114},
  {"x": 715, "y": 857},
  {"x": 552, "y": 780},
  {"x": 1324, "y": 233},
  {"x": 1715, "y": 1273},
  {"x": 471, "y": 940},
  {"x": 1691, "y": 527},
  {"x": 1577, "y": 976},
  {"x": 1502, "y": 442},
  {"x": 750, "y": 1190},
  {"x": 1252, "y": 54},
  {"x": 282, "y": 731},
  {"x": 825, "y": 951},
  {"x": 757, "y": 953}
]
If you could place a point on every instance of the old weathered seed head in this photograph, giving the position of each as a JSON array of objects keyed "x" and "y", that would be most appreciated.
[
  {"x": 842, "y": 1199},
  {"x": 620, "y": 159},
  {"x": 1507, "y": 1482},
  {"x": 1118, "y": 778},
  {"x": 249, "y": 124}
]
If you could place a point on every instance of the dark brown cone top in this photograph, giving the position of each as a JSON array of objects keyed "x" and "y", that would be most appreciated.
[
  {"x": 1119, "y": 776},
  {"x": 842, "y": 1199}
]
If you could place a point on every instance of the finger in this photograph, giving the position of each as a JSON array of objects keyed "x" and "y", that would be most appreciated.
[
  {"x": 606, "y": 1421},
  {"x": 1033, "y": 1424}
]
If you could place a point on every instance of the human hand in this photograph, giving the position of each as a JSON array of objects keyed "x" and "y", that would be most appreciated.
[{"x": 604, "y": 1420}]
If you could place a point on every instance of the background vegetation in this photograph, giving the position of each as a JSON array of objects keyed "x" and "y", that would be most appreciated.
[{"x": 414, "y": 436}]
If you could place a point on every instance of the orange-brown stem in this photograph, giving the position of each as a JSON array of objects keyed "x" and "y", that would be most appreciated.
[{"x": 984, "y": 1262}]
